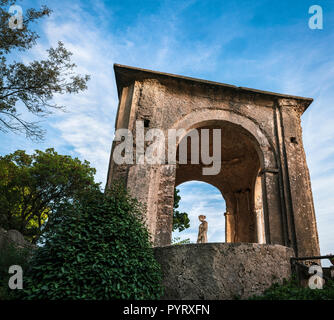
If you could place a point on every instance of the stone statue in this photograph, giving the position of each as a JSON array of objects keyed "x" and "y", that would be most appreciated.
[{"x": 202, "y": 230}]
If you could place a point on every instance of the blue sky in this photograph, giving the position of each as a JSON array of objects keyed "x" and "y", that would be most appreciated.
[{"x": 260, "y": 44}]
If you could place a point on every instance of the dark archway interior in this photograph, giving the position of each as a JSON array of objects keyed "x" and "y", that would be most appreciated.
[{"x": 238, "y": 179}]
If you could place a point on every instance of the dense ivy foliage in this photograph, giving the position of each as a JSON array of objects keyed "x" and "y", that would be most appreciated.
[
  {"x": 97, "y": 248},
  {"x": 290, "y": 290}
]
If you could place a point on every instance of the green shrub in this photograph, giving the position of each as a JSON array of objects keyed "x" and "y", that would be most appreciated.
[
  {"x": 290, "y": 290},
  {"x": 11, "y": 255},
  {"x": 177, "y": 241},
  {"x": 96, "y": 249}
]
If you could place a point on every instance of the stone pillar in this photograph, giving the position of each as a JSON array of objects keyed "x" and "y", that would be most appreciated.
[
  {"x": 229, "y": 226},
  {"x": 143, "y": 182},
  {"x": 258, "y": 210},
  {"x": 297, "y": 180},
  {"x": 272, "y": 207},
  {"x": 153, "y": 185},
  {"x": 165, "y": 204}
]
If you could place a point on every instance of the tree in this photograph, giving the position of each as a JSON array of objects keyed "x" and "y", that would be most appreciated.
[
  {"x": 32, "y": 187},
  {"x": 178, "y": 241},
  {"x": 31, "y": 86},
  {"x": 100, "y": 249},
  {"x": 180, "y": 219}
]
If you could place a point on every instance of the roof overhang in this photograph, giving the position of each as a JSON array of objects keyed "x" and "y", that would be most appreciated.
[{"x": 125, "y": 75}]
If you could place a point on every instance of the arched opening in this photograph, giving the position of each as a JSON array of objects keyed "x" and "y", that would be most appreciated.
[
  {"x": 200, "y": 198},
  {"x": 238, "y": 179}
]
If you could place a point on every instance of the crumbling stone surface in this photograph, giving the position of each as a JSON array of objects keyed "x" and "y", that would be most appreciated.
[
  {"x": 13, "y": 237},
  {"x": 220, "y": 271}
]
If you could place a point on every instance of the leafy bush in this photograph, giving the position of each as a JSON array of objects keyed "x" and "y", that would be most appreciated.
[
  {"x": 290, "y": 290},
  {"x": 11, "y": 255},
  {"x": 178, "y": 241},
  {"x": 97, "y": 248}
]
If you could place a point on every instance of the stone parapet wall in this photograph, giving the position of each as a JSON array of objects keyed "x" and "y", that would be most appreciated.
[{"x": 219, "y": 271}]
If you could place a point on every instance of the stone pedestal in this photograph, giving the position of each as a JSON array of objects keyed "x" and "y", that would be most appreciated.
[{"x": 219, "y": 271}]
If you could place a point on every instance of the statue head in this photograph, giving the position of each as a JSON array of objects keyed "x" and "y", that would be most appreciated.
[{"x": 201, "y": 218}]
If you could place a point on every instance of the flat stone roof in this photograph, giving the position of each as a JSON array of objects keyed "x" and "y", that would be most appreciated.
[{"x": 125, "y": 75}]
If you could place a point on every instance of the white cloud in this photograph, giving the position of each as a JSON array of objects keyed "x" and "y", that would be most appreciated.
[{"x": 87, "y": 126}]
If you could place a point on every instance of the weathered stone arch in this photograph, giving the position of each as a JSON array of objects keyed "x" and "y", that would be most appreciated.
[
  {"x": 270, "y": 120},
  {"x": 263, "y": 144},
  {"x": 238, "y": 229}
]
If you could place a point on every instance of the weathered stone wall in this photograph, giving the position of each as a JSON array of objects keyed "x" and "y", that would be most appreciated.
[
  {"x": 219, "y": 271},
  {"x": 13, "y": 237}
]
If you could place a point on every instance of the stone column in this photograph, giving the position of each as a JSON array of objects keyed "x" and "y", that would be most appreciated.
[
  {"x": 272, "y": 208},
  {"x": 165, "y": 203},
  {"x": 143, "y": 183},
  {"x": 297, "y": 180}
]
